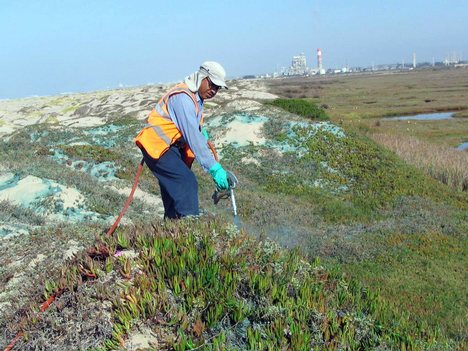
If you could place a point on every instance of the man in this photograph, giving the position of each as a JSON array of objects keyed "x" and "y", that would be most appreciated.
[{"x": 173, "y": 138}]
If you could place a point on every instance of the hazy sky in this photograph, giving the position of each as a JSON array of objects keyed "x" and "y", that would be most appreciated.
[{"x": 48, "y": 47}]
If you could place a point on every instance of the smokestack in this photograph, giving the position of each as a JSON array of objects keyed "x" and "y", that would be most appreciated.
[{"x": 319, "y": 59}]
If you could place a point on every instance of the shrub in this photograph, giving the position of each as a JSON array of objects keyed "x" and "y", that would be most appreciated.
[
  {"x": 301, "y": 107},
  {"x": 90, "y": 153}
]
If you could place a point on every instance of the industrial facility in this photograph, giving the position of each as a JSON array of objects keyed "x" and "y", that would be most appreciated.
[{"x": 299, "y": 66}]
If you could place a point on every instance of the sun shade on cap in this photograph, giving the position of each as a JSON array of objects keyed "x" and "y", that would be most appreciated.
[{"x": 215, "y": 72}]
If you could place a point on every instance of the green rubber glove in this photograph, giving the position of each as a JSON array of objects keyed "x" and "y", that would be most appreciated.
[
  {"x": 205, "y": 134},
  {"x": 219, "y": 176}
]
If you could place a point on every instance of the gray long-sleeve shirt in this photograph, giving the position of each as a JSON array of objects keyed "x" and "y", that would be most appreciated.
[{"x": 183, "y": 114}]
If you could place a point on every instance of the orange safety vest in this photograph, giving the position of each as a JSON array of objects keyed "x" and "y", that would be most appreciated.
[{"x": 161, "y": 132}]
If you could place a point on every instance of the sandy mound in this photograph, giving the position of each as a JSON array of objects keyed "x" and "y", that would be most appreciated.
[
  {"x": 244, "y": 105},
  {"x": 242, "y": 134},
  {"x": 56, "y": 201}
]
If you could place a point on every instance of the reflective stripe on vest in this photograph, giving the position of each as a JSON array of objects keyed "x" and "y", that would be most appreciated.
[
  {"x": 161, "y": 112},
  {"x": 161, "y": 134}
]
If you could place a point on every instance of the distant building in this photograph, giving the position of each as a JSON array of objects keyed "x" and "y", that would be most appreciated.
[
  {"x": 452, "y": 59},
  {"x": 313, "y": 71},
  {"x": 298, "y": 66}
]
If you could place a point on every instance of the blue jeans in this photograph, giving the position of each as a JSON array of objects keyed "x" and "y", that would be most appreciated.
[{"x": 178, "y": 184}]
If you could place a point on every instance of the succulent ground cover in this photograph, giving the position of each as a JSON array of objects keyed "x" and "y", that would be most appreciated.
[{"x": 202, "y": 284}]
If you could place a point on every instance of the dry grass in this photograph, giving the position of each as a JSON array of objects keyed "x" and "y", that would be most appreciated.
[{"x": 443, "y": 163}]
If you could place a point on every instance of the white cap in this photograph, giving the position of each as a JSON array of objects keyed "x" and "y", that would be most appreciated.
[{"x": 215, "y": 72}]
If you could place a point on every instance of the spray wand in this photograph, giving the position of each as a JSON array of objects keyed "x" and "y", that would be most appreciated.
[{"x": 229, "y": 193}]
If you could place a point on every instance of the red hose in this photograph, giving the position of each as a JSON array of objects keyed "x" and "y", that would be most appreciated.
[
  {"x": 129, "y": 199},
  {"x": 13, "y": 342},
  {"x": 45, "y": 305}
]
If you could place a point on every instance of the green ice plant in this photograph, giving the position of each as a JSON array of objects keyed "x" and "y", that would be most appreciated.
[
  {"x": 109, "y": 265},
  {"x": 50, "y": 287},
  {"x": 122, "y": 240},
  {"x": 271, "y": 301}
]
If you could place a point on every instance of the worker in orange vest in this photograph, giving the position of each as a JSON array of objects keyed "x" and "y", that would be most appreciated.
[{"x": 174, "y": 137}]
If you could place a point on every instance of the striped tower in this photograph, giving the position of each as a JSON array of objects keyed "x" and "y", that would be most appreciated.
[{"x": 319, "y": 60}]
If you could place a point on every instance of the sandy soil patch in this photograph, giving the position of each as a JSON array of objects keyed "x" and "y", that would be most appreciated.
[
  {"x": 26, "y": 191},
  {"x": 242, "y": 134},
  {"x": 250, "y": 160},
  {"x": 244, "y": 105},
  {"x": 56, "y": 201},
  {"x": 254, "y": 94},
  {"x": 38, "y": 259},
  {"x": 86, "y": 122},
  {"x": 70, "y": 197},
  {"x": 142, "y": 339},
  {"x": 6, "y": 129},
  {"x": 73, "y": 248},
  {"x": 7, "y": 230}
]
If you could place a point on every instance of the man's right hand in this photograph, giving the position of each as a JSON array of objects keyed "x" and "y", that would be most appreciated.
[{"x": 219, "y": 176}]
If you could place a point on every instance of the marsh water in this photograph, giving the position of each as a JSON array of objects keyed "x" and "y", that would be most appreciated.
[{"x": 423, "y": 117}]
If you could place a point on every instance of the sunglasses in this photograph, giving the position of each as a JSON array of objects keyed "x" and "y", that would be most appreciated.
[{"x": 212, "y": 85}]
